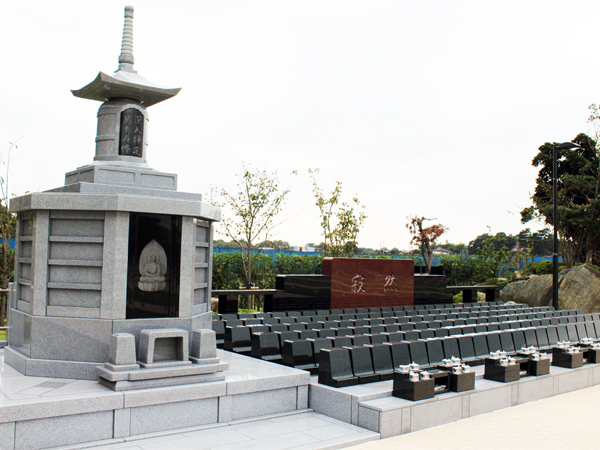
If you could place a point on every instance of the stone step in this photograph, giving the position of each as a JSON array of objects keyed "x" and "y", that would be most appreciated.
[{"x": 298, "y": 430}]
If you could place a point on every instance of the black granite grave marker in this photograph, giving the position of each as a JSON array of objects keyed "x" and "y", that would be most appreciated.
[
  {"x": 362, "y": 364},
  {"x": 507, "y": 343},
  {"x": 299, "y": 354},
  {"x": 530, "y": 338},
  {"x": 450, "y": 346},
  {"x": 435, "y": 352},
  {"x": 362, "y": 339},
  {"x": 418, "y": 353},
  {"x": 581, "y": 331},
  {"x": 319, "y": 344},
  {"x": 480, "y": 344},
  {"x": 590, "y": 330},
  {"x": 266, "y": 346},
  {"x": 335, "y": 368},
  {"x": 400, "y": 353},
  {"x": 131, "y": 136},
  {"x": 563, "y": 335},
  {"x": 493, "y": 340},
  {"x": 542, "y": 337}
]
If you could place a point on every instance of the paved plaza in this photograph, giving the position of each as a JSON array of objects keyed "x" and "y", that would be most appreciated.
[{"x": 562, "y": 422}]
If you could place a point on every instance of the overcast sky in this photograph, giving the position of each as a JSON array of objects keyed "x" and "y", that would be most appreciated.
[{"x": 433, "y": 108}]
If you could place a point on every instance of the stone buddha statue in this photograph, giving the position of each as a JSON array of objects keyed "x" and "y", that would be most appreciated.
[{"x": 153, "y": 267}]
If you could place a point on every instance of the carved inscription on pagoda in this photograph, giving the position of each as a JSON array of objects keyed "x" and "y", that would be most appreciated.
[{"x": 131, "y": 138}]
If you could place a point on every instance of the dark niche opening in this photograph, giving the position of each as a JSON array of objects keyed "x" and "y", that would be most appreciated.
[
  {"x": 131, "y": 136},
  {"x": 153, "y": 266}
]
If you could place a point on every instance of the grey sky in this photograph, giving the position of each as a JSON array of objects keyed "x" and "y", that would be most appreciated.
[{"x": 431, "y": 108}]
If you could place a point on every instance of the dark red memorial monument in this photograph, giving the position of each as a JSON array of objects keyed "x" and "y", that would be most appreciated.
[{"x": 370, "y": 283}]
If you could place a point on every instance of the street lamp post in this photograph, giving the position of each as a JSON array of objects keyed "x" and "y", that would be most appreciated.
[{"x": 563, "y": 146}]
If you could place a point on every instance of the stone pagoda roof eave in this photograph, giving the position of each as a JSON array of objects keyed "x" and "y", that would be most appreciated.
[{"x": 128, "y": 85}]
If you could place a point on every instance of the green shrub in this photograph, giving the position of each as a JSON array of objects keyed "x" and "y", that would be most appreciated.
[
  {"x": 459, "y": 271},
  {"x": 542, "y": 267},
  {"x": 228, "y": 269},
  {"x": 593, "y": 266}
]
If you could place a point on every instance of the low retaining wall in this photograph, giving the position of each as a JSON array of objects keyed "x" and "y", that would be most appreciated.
[{"x": 373, "y": 407}]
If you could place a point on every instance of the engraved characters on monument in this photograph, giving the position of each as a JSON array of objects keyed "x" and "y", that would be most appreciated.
[
  {"x": 131, "y": 138},
  {"x": 357, "y": 283},
  {"x": 390, "y": 283}
]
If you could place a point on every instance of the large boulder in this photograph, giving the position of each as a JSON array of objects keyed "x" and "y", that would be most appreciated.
[{"x": 579, "y": 288}]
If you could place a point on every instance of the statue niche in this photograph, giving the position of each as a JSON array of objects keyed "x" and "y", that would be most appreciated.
[{"x": 153, "y": 267}]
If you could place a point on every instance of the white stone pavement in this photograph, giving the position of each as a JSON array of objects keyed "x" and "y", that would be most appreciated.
[
  {"x": 562, "y": 422},
  {"x": 566, "y": 421},
  {"x": 303, "y": 431}
]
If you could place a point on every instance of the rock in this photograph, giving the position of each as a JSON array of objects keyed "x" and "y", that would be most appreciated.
[{"x": 579, "y": 288}]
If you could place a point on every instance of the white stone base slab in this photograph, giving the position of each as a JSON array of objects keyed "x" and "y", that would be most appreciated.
[
  {"x": 373, "y": 407},
  {"x": 82, "y": 411}
]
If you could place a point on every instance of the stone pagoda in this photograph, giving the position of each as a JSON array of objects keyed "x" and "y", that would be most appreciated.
[{"x": 113, "y": 269}]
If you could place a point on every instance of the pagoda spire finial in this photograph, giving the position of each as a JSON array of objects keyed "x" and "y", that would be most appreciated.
[{"x": 126, "y": 59}]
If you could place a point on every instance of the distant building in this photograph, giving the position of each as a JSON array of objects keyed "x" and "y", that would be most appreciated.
[{"x": 305, "y": 248}]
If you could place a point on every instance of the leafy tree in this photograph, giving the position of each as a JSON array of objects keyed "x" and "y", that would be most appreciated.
[
  {"x": 489, "y": 258},
  {"x": 578, "y": 200},
  {"x": 341, "y": 221},
  {"x": 539, "y": 242},
  {"x": 254, "y": 207},
  {"x": 220, "y": 243},
  {"x": 457, "y": 249},
  {"x": 276, "y": 244},
  {"x": 424, "y": 237},
  {"x": 459, "y": 271},
  {"x": 498, "y": 241}
]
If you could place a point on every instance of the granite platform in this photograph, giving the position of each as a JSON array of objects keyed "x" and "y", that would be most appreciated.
[
  {"x": 373, "y": 407},
  {"x": 41, "y": 412}
]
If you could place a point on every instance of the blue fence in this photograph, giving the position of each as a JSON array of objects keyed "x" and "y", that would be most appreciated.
[
  {"x": 418, "y": 259},
  {"x": 12, "y": 243}
]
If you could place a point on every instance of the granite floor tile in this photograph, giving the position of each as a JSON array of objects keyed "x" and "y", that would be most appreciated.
[
  {"x": 200, "y": 441},
  {"x": 278, "y": 442},
  {"x": 288, "y": 426},
  {"x": 78, "y": 387},
  {"x": 332, "y": 431},
  {"x": 18, "y": 384},
  {"x": 36, "y": 390},
  {"x": 19, "y": 396}
]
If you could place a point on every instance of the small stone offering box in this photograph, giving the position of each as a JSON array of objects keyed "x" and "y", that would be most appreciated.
[
  {"x": 408, "y": 389},
  {"x": 461, "y": 382},
  {"x": 539, "y": 367},
  {"x": 594, "y": 356},
  {"x": 561, "y": 358},
  {"x": 535, "y": 367},
  {"x": 494, "y": 371}
]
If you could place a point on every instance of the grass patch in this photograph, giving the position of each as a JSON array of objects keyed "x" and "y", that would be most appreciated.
[{"x": 2, "y": 335}]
